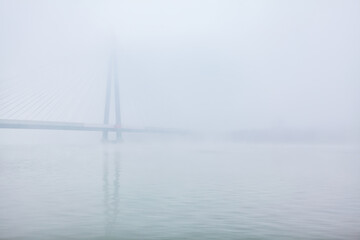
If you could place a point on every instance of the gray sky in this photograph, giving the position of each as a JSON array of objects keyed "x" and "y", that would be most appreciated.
[{"x": 197, "y": 64}]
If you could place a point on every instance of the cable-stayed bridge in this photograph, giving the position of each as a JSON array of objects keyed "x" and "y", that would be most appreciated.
[{"x": 47, "y": 101}]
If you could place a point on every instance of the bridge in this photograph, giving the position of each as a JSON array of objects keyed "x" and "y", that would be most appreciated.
[{"x": 112, "y": 89}]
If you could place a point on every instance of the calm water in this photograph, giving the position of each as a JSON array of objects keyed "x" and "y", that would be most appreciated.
[{"x": 180, "y": 191}]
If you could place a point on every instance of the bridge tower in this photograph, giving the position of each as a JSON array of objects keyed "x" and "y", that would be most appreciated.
[{"x": 112, "y": 80}]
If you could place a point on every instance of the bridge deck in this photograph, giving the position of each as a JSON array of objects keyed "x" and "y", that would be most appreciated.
[{"x": 29, "y": 124}]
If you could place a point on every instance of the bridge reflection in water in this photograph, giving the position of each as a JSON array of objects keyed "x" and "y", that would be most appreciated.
[{"x": 111, "y": 183}]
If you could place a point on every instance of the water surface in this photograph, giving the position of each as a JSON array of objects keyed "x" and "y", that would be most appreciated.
[{"x": 180, "y": 191}]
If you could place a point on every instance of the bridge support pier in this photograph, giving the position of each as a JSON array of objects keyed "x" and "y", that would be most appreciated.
[{"x": 112, "y": 79}]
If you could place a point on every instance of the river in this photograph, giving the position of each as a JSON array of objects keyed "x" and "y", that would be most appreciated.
[{"x": 190, "y": 190}]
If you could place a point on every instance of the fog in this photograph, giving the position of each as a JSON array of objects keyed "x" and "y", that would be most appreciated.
[
  {"x": 216, "y": 67},
  {"x": 245, "y": 119}
]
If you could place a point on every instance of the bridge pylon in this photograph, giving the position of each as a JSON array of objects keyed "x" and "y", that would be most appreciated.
[{"x": 112, "y": 84}]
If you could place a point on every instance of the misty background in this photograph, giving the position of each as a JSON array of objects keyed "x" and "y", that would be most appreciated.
[
  {"x": 263, "y": 98},
  {"x": 288, "y": 68}
]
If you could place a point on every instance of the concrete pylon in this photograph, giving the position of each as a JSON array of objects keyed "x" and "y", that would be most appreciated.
[{"x": 112, "y": 84}]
